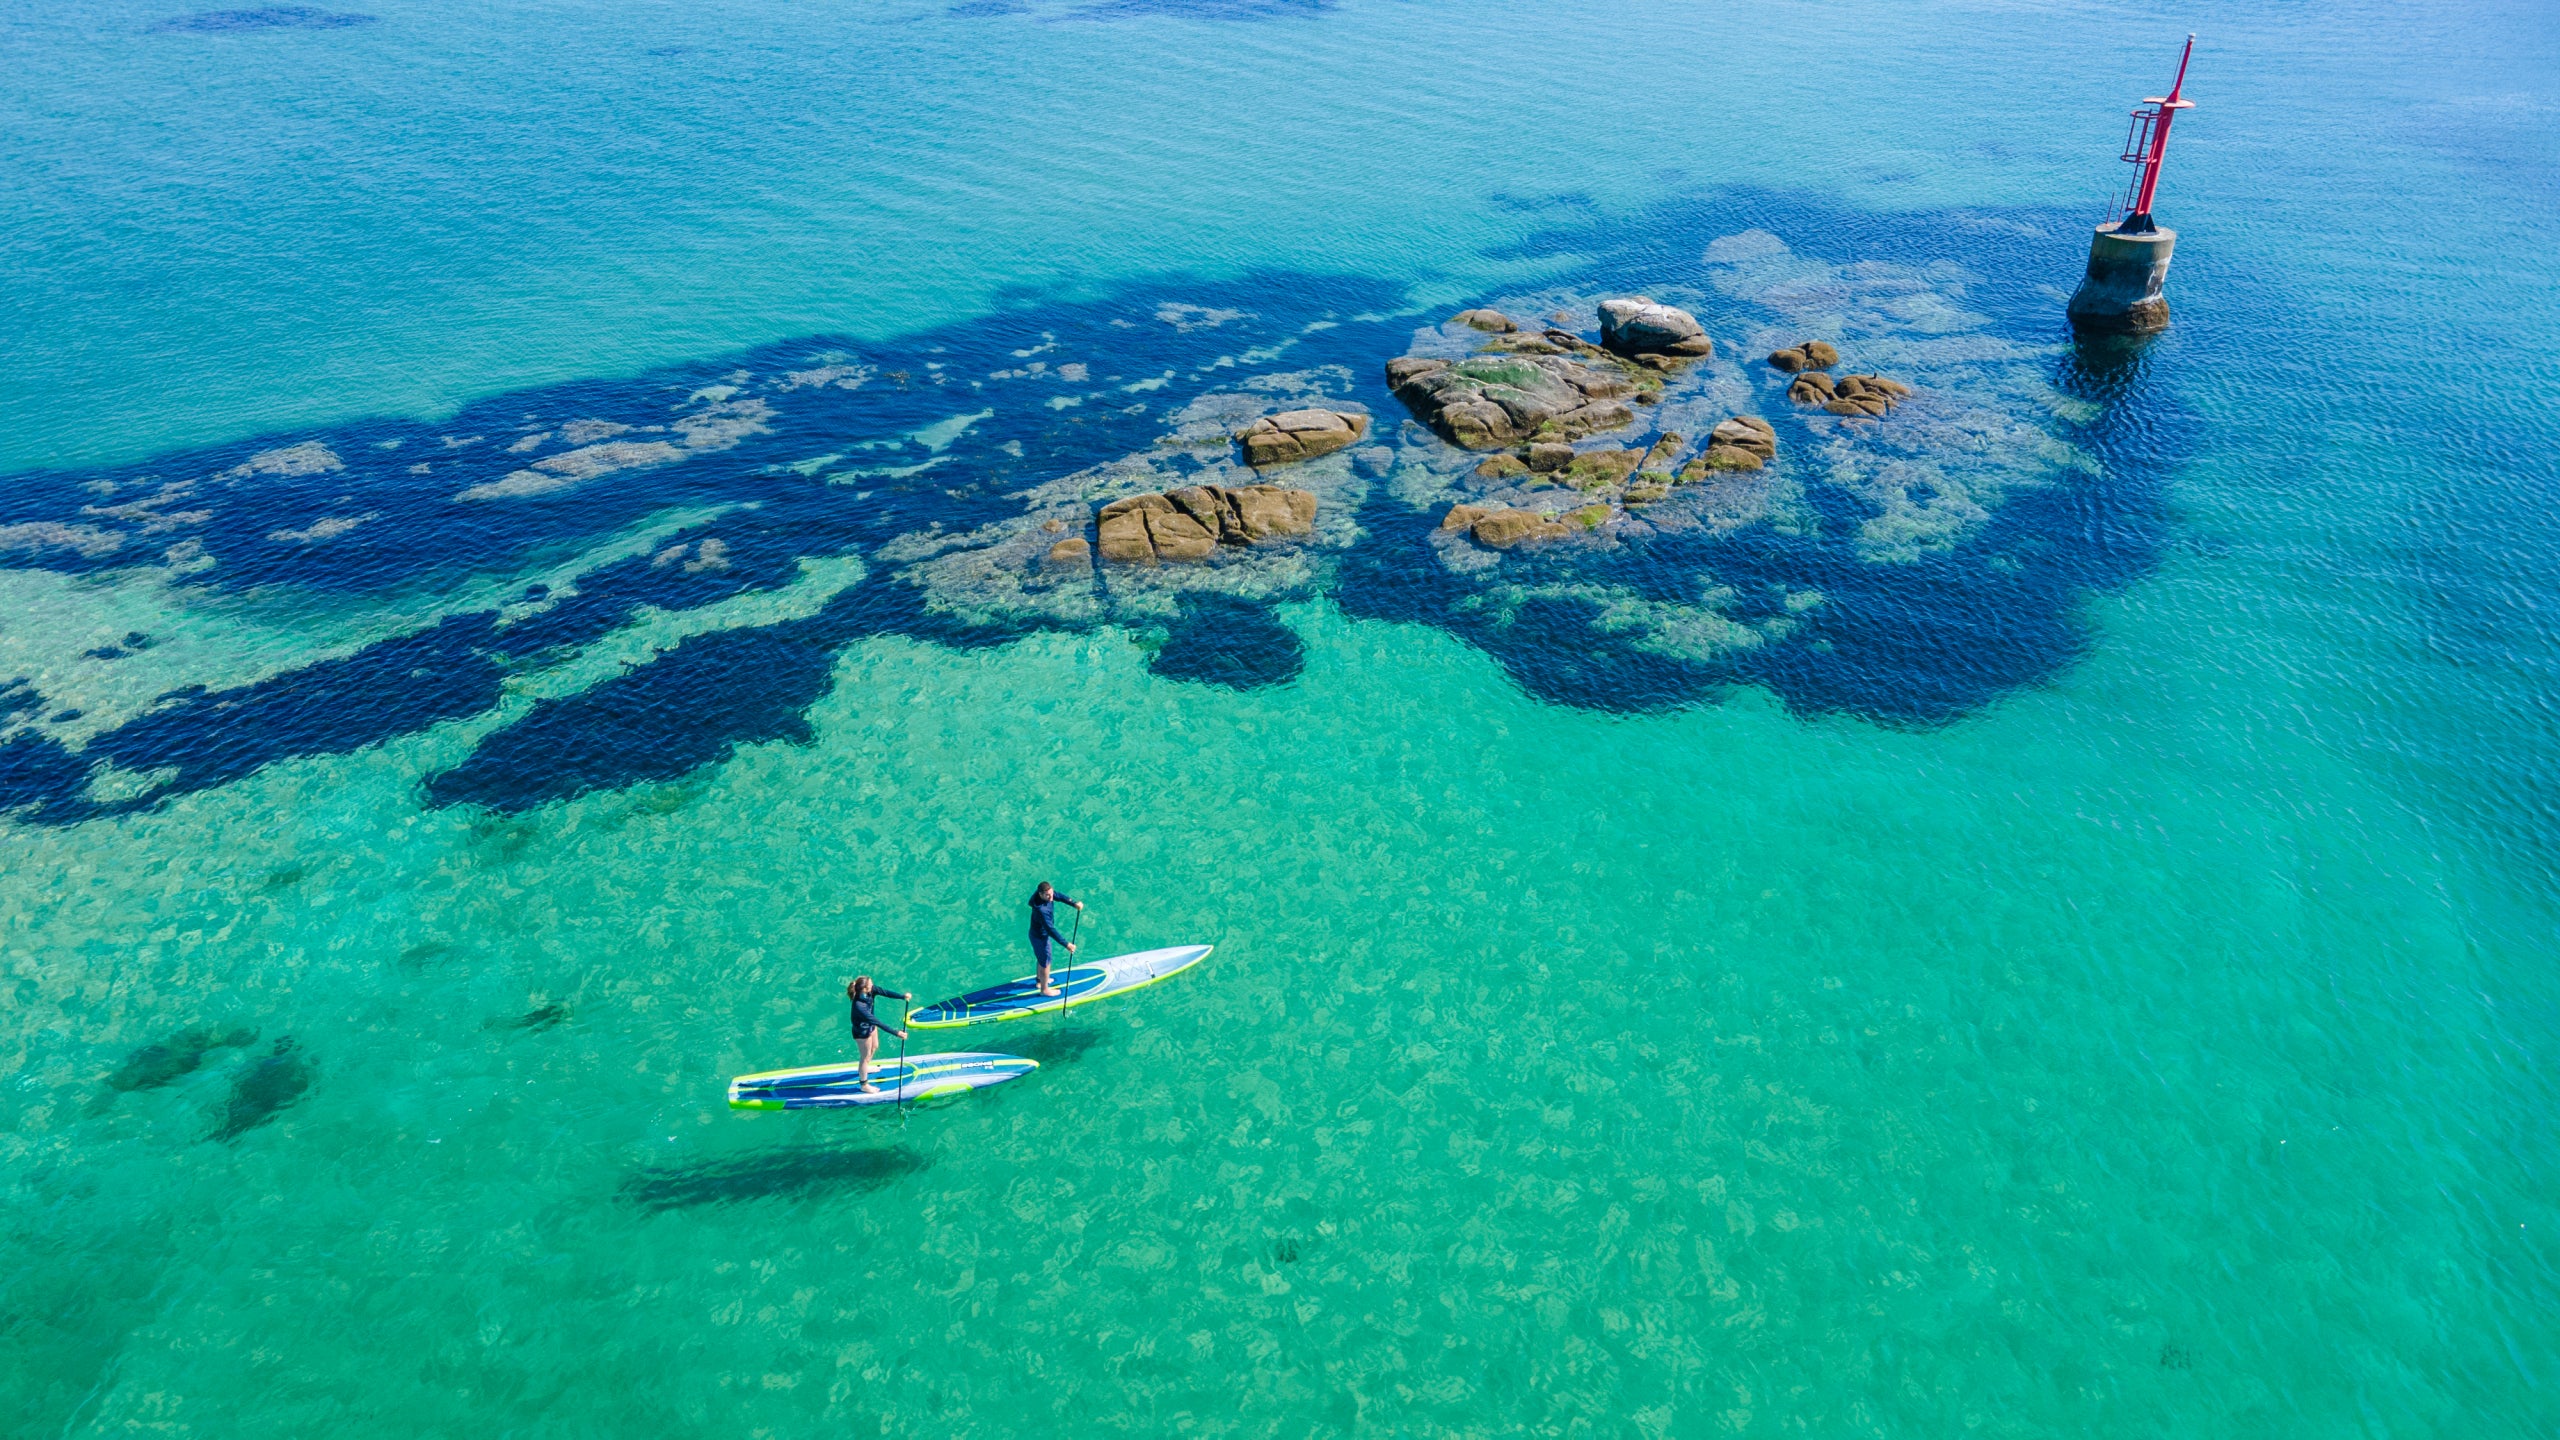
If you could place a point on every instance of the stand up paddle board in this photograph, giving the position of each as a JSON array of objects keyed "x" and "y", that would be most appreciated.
[
  {"x": 825, "y": 1087},
  {"x": 1083, "y": 984}
]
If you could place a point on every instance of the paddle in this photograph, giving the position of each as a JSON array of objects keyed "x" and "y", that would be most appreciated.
[
  {"x": 904, "y": 1076},
  {"x": 1073, "y": 931}
]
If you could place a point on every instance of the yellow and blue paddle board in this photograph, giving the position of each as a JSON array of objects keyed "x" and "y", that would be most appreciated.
[
  {"x": 920, "y": 1077},
  {"x": 1083, "y": 984}
]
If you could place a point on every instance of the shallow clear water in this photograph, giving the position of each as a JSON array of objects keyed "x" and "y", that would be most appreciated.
[{"x": 2034, "y": 919}]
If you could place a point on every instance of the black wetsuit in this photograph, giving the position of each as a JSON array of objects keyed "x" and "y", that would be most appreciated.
[
  {"x": 864, "y": 1022},
  {"x": 1044, "y": 925}
]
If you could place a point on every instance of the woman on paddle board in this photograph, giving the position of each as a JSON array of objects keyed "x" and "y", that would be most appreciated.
[
  {"x": 1044, "y": 928},
  {"x": 867, "y": 1026}
]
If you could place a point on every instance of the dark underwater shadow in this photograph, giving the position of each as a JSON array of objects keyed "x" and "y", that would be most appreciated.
[
  {"x": 1052, "y": 1044},
  {"x": 796, "y": 1172},
  {"x": 1224, "y": 640},
  {"x": 270, "y": 17}
]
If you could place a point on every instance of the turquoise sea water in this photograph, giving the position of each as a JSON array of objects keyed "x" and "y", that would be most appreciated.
[{"x": 2032, "y": 922}]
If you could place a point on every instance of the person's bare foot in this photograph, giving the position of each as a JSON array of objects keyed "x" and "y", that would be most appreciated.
[
  {"x": 1051, "y": 990},
  {"x": 870, "y": 1089}
]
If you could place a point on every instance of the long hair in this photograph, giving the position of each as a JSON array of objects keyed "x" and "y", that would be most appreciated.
[
  {"x": 861, "y": 984},
  {"x": 1046, "y": 893}
]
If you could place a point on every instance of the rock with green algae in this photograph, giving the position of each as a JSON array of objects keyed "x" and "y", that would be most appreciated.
[{"x": 1486, "y": 402}]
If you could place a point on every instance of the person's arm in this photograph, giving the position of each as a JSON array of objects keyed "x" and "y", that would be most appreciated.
[
  {"x": 894, "y": 994},
  {"x": 1071, "y": 900},
  {"x": 1049, "y": 927}
]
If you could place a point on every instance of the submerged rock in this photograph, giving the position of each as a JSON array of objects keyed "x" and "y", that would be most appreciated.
[
  {"x": 1493, "y": 321},
  {"x": 265, "y": 1087},
  {"x": 1301, "y": 435},
  {"x": 1072, "y": 554},
  {"x": 1638, "y": 326},
  {"x": 1486, "y": 402},
  {"x": 151, "y": 1066}
]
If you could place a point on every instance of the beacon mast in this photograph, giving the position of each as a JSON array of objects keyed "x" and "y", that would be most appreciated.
[{"x": 2129, "y": 255}]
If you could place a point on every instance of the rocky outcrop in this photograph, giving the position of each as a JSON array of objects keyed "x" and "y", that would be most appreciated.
[
  {"x": 1811, "y": 355},
  {"x": 1745, "y": 442},
  {"x": 1190, "y": 524},
  {"x": 1502, "y": 467},
  {"x": 1665, "y": 450},
  {"x": 1486, "y": 402},
  {"x": 1856, "y": 396},
  {"x": 1499, "y": 527},
  {"x": 1491, "y": 321},
  {"x": 1069, "y": 555},
  {"x": 1872, "y": 396},
  {"x": 1300, "y": 435},
  {"x": 1637, "y": 326},
  {"x": 1600, "y": 469}
]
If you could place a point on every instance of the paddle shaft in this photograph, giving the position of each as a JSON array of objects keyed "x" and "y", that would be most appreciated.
[
  {"x": 1073, "y": 932},
  {"x": 903, "y": 1076}
]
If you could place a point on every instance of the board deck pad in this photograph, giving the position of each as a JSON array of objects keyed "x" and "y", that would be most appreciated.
[
  {"x": 920, "y": 1077},
  {"x": 1083, "y": 984}
]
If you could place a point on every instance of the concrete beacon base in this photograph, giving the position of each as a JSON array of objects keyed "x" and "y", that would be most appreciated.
[{"x": 2121, "y": 292}]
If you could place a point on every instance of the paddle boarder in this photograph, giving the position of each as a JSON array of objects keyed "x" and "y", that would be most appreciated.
[
  {"x": 867, "y": 1026},
  {"x": 1044, "y": 928}
]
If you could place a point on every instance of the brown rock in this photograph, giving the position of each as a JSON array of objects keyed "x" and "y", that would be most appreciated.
[
  {"x": 1646, "y": 491},
  {"x": 1203, "y": 503},
  {"x": 1732, "y": 457},
  {"x": 1503, "y": 467},
  {"x": 1069, "y": 554},
  {"x": 1664, "y": 451},
  {"x": 1493, "y": 321},
  {"x": 1462, "y": 517},
  {"x": 1053, "y": 526},
  {"x": 1747, "y": 432},
  {"x": 1124, "y": 539},
  {"x": 1494, "y": 401},
  {"x": 1406, "y": 368},
  {"x": 1818, "y": 355},
  {"x": 1590, "y": 517},
  {"x": 1136, "y": 503},
  {"x": 1846, "y": 407},
  {"x": 1302, "y": 508},
  {"x": 1591, "y": 419},
  {"x": 1266, "y": 511},
  {"x": 1811, "y": 389},
  {"x": 1179, "y": 537},
  {"x": 1301, "y": 435},
  {"x": 1790, "y": 361},
  {"x": 1505, "y": 528},
  {"x": 1547, "y": 456},
  {"x": 1598, "y": 469}
]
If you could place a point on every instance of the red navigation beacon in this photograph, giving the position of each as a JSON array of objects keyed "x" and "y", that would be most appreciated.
[
  {"x": 2129, "y": 255},
  {"x": 2146, "y": 144}
]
